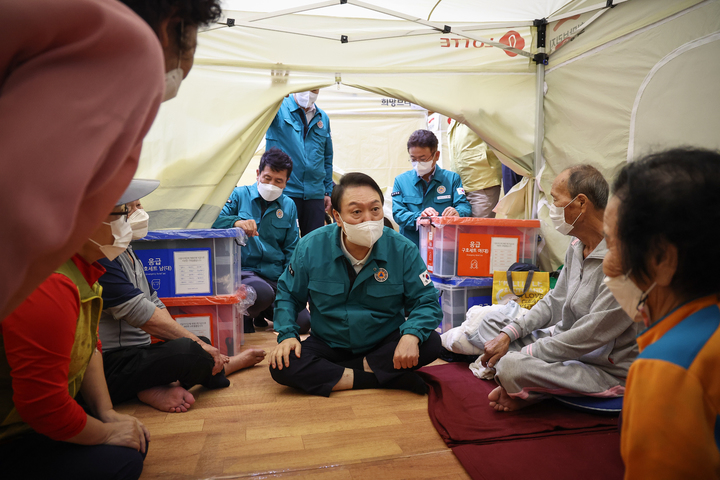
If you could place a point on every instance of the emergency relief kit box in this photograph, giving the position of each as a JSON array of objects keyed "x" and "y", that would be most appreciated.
[
  {"x": 458, "y": 294},
  {"x": 199, "y": 262},
  {"x": 217, "y": 317},
  {"x": 477, "y": 247}
]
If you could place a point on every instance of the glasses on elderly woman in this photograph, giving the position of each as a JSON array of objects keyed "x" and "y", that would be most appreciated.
[{"x": 124, "y": 213}]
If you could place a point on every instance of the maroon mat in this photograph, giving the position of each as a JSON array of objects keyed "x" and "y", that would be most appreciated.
[
  {"x": 546, "y": 440},
  {"x": 594, "y": 456}
]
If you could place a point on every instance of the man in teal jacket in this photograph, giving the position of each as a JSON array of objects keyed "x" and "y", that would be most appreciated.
[
  {"x": 269, "y": 219},
  {"x": 363, "y": 280},
  {"x": 302, "y": 130},
  {"x": 427, "y": 190}
]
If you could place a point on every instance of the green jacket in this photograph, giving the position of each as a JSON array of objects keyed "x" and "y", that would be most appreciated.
[
  {"x": 269, "y": 253},
  {"x": 357, "y": 314}
]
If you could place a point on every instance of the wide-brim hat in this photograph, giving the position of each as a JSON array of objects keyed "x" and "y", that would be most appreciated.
[{"x": 138, "y": 188}]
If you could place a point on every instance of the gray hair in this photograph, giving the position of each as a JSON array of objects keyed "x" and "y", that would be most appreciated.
[{"x": 587, "y": 180}]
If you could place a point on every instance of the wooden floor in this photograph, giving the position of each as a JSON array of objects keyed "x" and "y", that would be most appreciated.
[{"x": 259, "y": 429}]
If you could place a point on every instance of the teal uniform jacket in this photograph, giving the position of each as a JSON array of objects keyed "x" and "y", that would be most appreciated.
[
  {"x": 444, "y": 190},
  {"x": 357, "y": 315},
  {"x": 269, "y": 253},
  {"x": 311, "y": 153}
]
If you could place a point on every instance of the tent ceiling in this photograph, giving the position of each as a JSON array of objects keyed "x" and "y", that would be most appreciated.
[{"x": 438, "y": 11}]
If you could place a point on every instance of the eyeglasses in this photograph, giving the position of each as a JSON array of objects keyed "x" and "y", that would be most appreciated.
[
  {"x": 125, "y": 213},
  {"x": 423, "y": 159}
]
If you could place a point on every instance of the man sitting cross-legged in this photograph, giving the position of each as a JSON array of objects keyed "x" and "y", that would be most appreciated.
[
  {"x": 159, "y": 374},
  {"x": 593, "y": 343},
  {"x": 362, "y": 280}
]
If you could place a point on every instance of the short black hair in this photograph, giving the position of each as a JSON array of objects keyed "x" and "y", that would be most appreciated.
[
  {"x": 423, "y": 139},
  {"x": 353, "y": 179},
  {"x": 587, "y": 180},
  {"x": 191, "y": 12},
  {"x": 671, "y": 196},
  {"x": 277, "y": 160}
]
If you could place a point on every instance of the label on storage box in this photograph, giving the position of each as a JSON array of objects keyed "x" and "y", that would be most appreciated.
[
  {"x": 178, "y": 272},
  {"x": 192, "y": 272},
  {"x": 199, "y": 325},
  {"x": 481, "y": 254}
]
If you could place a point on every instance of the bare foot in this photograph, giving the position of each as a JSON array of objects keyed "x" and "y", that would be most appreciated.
[
  {"x": 167, "y": 398},
  {"x": 247, "y": 358},
  {"x": 502, "y": 402}
]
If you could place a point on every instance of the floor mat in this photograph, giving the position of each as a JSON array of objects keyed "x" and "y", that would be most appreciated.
[{"x": 546, "y": 437}]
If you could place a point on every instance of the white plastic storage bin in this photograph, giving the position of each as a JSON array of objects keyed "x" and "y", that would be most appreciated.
[
  {"x": 476, "y": 247},
  {"x": 198, "y": 262},
  {"x": 458, "y": 294}
]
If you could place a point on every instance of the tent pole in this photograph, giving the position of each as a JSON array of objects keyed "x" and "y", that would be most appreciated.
[
  {"x": 539, "y": 161},
  {"x": 541, "y": 59}
]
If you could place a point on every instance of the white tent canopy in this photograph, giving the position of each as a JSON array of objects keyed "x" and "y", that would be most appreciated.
[{"x": 620, "y": 81}]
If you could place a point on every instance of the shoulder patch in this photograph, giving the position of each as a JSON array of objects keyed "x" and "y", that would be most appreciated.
[
  {"x": 290, "y": 269},
  {"x": 461, "y": 191},
  {"x": 425, "y": 278},
  {"x": 393, "y": 194},
  {"x": 229, "y": 200}
]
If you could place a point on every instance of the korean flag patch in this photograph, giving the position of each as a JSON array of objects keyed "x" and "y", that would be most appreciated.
[
  {"x": 290, "y": 269},
  {"x": 461, "y": 191},
  {"x": 425, "y": 278}
]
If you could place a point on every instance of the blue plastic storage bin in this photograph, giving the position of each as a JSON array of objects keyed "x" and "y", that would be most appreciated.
[{"x": 199, "y": 262}]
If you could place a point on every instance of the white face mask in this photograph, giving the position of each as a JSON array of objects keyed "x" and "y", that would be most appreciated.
[
  {"x": 139, "y": 223},
  {"x": 630, "y": 297},
  {"x": 269, "y": 192},
  {"x": 423, "y": 168},
  {"x": 122, "y": 234},
  {"x": 557, "y": 216},
  {"x": 364, "y": 234},
  {"x": 173, "y": 78},
  {"x": 306, "y": 99}
]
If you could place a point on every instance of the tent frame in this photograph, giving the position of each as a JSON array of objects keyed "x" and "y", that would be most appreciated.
[{"x": 540, "y": 57}]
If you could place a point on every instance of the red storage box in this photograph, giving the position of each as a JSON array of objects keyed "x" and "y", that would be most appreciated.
[
  {"x": 218, "y": 317},
  {"x": 475, "y": 247}
]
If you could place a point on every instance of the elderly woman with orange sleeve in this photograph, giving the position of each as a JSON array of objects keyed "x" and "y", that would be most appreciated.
[
  {"x": 49, "y": 361},
  {"x": 662, "y": 228}
]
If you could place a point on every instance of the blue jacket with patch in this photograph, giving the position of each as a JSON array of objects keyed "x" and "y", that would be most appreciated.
[
  {"x": 356, "y": 313},
  {"x": 444, "y": 190},
  {"x": 269, "y": 253},
  {"x": 309, "y": 148}
]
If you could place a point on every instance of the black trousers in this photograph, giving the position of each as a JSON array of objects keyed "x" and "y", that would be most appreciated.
[
  {"x": 33, "y": 456},
  {"x": 131, "y": 370},
  {"x": 311, "y": 214},
  {"x": 264, "y": 305},
  {"x": 320, "y": 366}
]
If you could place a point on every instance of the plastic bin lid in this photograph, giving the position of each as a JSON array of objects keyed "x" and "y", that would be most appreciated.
[
  {"x": 193, "y": 233},
  {"x": 463, "y": 281},
  {"x": 485, "y": 222},
  {"x": 207, "y": 300}
]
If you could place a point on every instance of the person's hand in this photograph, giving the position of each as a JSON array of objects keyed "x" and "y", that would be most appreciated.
[
  {"x": 495, "y": 349},
  {"x": 328, "y": 203},
  {"x": 407, "y": 352},
  {"x": 125, "y": 431},
  {"x": 423, "y": 221},
  {"x": 429, "y": 212},
  {"x": 248, "y": 226},
  {"x": 219, "y": 358},
  {"x": 450, "y": 212},
  {"x": 281, "y": 353}
]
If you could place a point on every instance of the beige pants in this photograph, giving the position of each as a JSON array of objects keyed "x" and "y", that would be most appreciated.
[{"x": 483, "y": 201}]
